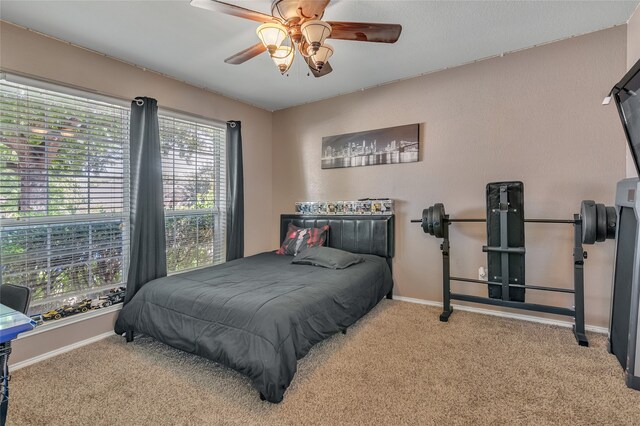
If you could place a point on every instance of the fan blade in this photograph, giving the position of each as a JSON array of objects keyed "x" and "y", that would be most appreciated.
[
  {"x": 326, "y": 69},
  {"x": 230, "y": 9},
  {"x": 246, "y": 54},
  {"x": 365, "y": 31}
]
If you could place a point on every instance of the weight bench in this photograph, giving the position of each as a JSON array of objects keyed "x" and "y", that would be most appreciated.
[
  {"x": 506, "y": 252},
  {"x": 505, "y": 240}
]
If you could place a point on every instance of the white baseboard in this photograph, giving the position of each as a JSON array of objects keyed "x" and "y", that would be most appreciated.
[
  {"x": 59, "y": 351},
  {"x": 511, "y": 315}
]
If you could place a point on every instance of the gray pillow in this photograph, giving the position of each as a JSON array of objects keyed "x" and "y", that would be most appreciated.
[{"x": 326, "y": 257}]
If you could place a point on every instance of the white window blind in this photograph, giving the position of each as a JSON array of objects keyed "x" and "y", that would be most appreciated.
[
  {"x": 194, "y": 181},
  {"x": 64, "y": 193}
]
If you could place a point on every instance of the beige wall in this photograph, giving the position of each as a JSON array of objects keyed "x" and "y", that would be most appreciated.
[
  {"x": 26, "y": 52},
  {"x": 633, "y": 38},
  {"x": 29, "y": 346},
  {"x": 633, "y": 56},
  {"x": 534, "y": 116}
]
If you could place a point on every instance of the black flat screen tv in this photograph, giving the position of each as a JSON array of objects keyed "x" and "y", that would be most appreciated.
[{"x": 627, "y": 96}]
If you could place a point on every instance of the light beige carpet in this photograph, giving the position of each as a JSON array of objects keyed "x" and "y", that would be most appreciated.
[{"x": 398, "y": 365}]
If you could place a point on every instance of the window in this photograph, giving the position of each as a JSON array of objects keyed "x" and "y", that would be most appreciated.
[
  {"x": 64, "y": 201},
  {"x": 193, "y": 168},
  {"x": 64, "y": 193}
]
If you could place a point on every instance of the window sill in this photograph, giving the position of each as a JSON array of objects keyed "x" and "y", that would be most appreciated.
[{"x": 52, "y": 325}]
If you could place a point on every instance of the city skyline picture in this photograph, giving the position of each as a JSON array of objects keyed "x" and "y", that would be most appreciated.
[{"x": 391, "y": 145}]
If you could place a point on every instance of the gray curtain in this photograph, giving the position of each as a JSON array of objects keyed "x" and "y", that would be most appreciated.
[
  {"x": 235, "y": 192},
  {"x": 148, "y": 258}
]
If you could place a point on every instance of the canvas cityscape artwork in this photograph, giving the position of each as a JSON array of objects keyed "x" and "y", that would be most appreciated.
[{"x": 392, "y": 145}]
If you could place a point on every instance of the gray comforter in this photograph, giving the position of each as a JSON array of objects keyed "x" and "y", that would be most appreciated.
[{"x": 257, "y": 315}]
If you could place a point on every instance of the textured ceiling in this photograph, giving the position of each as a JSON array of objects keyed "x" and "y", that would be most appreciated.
[{"x": 191, "y": 44}]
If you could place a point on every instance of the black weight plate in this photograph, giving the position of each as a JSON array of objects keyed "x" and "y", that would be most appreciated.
[
  {"x": 589, "y": 221},
  {"x": 601, "y": 223},
  {"x": 612, "y": 219},
  {"x": 424, "y": 221},
  {"x": 438, "y": 217},
  {"x": 430, "y": 220}
]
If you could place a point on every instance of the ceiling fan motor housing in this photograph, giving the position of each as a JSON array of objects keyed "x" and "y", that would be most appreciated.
[
  {"x": 295, "y": 33},
  {"x": 289, "y": 10}
]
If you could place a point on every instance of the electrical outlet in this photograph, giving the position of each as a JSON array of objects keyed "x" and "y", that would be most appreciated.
[{"x": 482, "y": 273}]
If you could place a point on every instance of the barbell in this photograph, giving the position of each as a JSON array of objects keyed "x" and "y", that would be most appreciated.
[{"x": 598, "y": 221}]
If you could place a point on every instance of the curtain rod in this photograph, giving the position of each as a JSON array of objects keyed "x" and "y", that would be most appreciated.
[{"x": 45, "y": 83}]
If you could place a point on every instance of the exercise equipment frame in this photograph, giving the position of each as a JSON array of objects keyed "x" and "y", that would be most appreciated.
[{"x": 579, "y": 255}]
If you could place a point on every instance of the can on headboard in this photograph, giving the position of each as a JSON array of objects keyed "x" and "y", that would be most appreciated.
[
  {"x": 382, "y": 207},
  {"x": 322, "y": 207},
  {"x": 364, "y": 207},
  {"x": 388, "y": 206},
  {"x": 376, "y": 207}
]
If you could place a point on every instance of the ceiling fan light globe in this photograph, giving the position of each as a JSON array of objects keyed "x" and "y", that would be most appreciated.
[
  {"x": 322, "y": 55},
  {"x": 315, "y": 32},
  {"x": 272, "y": 34},
  {"x": 283, "y": 58},
  {"x": 303, "y": 48}
]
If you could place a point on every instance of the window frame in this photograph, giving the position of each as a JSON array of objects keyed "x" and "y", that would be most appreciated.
[
  {"x": 218, "y": 211},
  {"x": 47, "y": 220}
]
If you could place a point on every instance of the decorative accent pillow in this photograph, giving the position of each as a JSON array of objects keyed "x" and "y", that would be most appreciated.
[
  {"x": 297, "y": 238},
  {"x": 326, "y": 257}
]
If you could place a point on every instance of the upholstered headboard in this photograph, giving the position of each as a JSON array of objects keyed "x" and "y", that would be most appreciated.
[{"x": 366, "y": 234}]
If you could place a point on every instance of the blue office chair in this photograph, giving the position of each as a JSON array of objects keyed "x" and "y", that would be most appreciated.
[{"x": 15, "y": 297}]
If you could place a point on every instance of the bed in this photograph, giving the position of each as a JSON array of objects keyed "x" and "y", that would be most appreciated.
[{"x": 259, "y": 315}]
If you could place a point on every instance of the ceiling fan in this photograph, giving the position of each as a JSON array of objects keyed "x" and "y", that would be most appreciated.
[{"x": 297, "y": 25}]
